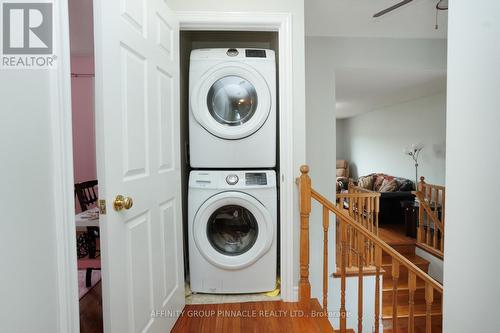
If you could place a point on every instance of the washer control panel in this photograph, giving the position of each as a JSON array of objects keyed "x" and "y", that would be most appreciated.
[
  {"x": 255, "y": 178},
  {"x": 232, "y": 179}
]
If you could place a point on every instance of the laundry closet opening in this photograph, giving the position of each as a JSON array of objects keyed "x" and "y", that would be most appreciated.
[{"x": 239, "y": 209}]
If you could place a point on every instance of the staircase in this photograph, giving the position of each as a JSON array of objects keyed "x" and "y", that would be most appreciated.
[
  {"x": 406, "y": 246},
  {"x": 410, "y": 297}
]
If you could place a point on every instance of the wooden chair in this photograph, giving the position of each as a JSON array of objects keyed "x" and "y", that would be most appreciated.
[{"x": 86, "y": 192}]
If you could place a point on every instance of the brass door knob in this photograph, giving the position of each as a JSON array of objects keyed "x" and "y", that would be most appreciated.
[{"x": 122, "y": 202}]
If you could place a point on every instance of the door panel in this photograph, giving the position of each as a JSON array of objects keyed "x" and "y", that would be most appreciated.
[
  {"x": 135, "y": 113},
  {"x": 170, "y": 253},
  {"x": 165, "y": 115},
  {"x": 138, "y": 153}
]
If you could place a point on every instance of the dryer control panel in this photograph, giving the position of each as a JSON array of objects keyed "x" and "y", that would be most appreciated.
[{"x": 233, "y": 54}]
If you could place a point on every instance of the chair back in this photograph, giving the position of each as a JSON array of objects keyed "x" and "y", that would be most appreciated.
[
  {"x": 342, "y": 168},
  {"x": 86, "y": 192}
]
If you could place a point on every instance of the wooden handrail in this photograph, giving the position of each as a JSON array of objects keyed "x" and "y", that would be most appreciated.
[
  {"x": 379, "y": 242},
  {"x": 359, "y": 195},
  {"x": 428, "y": 239},
  {"x": 428, "y": 209},
  {"x": 361, "y": 245}
]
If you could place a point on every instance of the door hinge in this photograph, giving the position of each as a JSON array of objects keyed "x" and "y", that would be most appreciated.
[{"x": 102, "y": 207}]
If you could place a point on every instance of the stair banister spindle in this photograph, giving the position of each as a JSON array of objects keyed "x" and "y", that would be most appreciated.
[
  {"x": 326, "y": 222},
  {"x": 361, "y": 251},
  {"x": 395, "y": 280},
  {"x": 378, "y": 264},
  {"x": 428, "y": 239},
  {"x": 420, "y": 232},
  {"x": 305, "y": 211},
  {"x": 344, "y": 250},
  {"x": 429, "y": 299},
  {"x": 412, "y": 286},
  {"x": 436, "y": 205}
]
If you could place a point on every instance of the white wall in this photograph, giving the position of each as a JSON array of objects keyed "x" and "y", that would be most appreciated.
[
  {"x": 435, "y": 264},
  {"x": 320, "y": 138},
  {"x": 27, "y": 243},
  {"x": 296, "y": 8},
  {"x": 351, "y": 303},
  {"x": 374, "y": 141},
  {"x": 472, "y": 288},
  {"x": 37, "y": 284},
  {"x": 342, "y": 139}
]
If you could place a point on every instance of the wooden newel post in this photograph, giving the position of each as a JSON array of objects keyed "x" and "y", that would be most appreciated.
[
  {"x": 305, "y": 211},
  {"x": 420, "y": 184}
]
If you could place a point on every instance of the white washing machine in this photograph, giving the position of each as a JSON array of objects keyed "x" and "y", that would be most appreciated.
[
  {"x": 232, "y": 103},
  {"x": 232, "y": 231}
]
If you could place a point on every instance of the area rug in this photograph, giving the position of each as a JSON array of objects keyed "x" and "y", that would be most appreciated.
[{"x": 83, "y": 290}]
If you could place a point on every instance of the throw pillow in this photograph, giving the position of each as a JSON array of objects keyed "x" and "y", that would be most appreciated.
[
  {"x": 406, "y": 185},
  {"x": 366, "y": 182},
  {"x": 389, "y": 186},
  {"x": 378, "y": 182}
]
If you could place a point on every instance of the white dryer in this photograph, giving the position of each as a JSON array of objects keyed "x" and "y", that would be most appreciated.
[
  {"x": 232, "y": 108},
  {"x": 232, "y": 231}
]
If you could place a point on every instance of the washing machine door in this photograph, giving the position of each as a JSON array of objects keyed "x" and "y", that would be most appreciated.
[
  {"x": 232, "y": 230},
  {"x": 231, "y": 100}
]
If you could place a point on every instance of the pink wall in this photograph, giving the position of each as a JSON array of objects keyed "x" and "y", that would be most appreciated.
[{"x": 82, "y": 93}]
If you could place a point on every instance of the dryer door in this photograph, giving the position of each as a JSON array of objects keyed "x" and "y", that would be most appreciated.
[
  {"x": 231, "y": 100},
  {"x": 232, "y": 230}
]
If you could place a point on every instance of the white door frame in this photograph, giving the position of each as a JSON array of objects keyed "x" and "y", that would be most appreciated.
[
  {"x": 62, "y": 142},
  {"x": 62, "y": 176},
  {"x": 281, "y": 23}
]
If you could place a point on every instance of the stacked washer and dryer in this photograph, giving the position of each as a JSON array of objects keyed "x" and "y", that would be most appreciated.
[{"x": 232, "y": 196}]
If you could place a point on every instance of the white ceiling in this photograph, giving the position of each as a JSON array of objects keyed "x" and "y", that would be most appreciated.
[
  {"x": 360, "y": 90},
  {"x": 392, "y": 73},
  {"x": 353, "y": 18},
  {"x": 81, "y": 31}
]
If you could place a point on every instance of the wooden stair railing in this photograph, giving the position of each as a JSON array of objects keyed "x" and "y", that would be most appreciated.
[
  {"x": 431, "y": 214},
  {"x": 364, "y": 208},
  {"x": 364, "y": 239}
]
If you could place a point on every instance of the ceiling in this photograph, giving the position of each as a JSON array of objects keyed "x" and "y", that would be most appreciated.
[
  {"x": 366, "y": 85},
  {"x": 360, "y": 90},
  {"x": 353, "y": 18}
]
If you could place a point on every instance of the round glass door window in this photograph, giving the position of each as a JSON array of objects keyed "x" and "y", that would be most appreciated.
[
  {"x": 232, "y": 230},
  {"x": 232, "y": 100}
]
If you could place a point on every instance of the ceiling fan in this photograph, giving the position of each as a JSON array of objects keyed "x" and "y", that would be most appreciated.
[{"x": 441, "y": 5}]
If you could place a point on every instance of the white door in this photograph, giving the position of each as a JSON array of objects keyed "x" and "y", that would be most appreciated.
[{"x": 138, "y": 156}]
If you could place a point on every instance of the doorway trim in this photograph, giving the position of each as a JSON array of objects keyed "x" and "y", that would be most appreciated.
[
  {"x": 62, "y": 175},
  {"x": 281, "y": 23}
]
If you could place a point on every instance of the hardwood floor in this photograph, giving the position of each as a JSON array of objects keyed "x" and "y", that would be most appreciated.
[
  {"x": 91, "y": 311},
  {"x": 258, "y": 317},
  {"x": 277, "y": 316}
]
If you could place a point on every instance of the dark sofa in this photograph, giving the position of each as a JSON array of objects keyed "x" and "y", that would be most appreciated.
[{"x": 393, "y": 190}]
